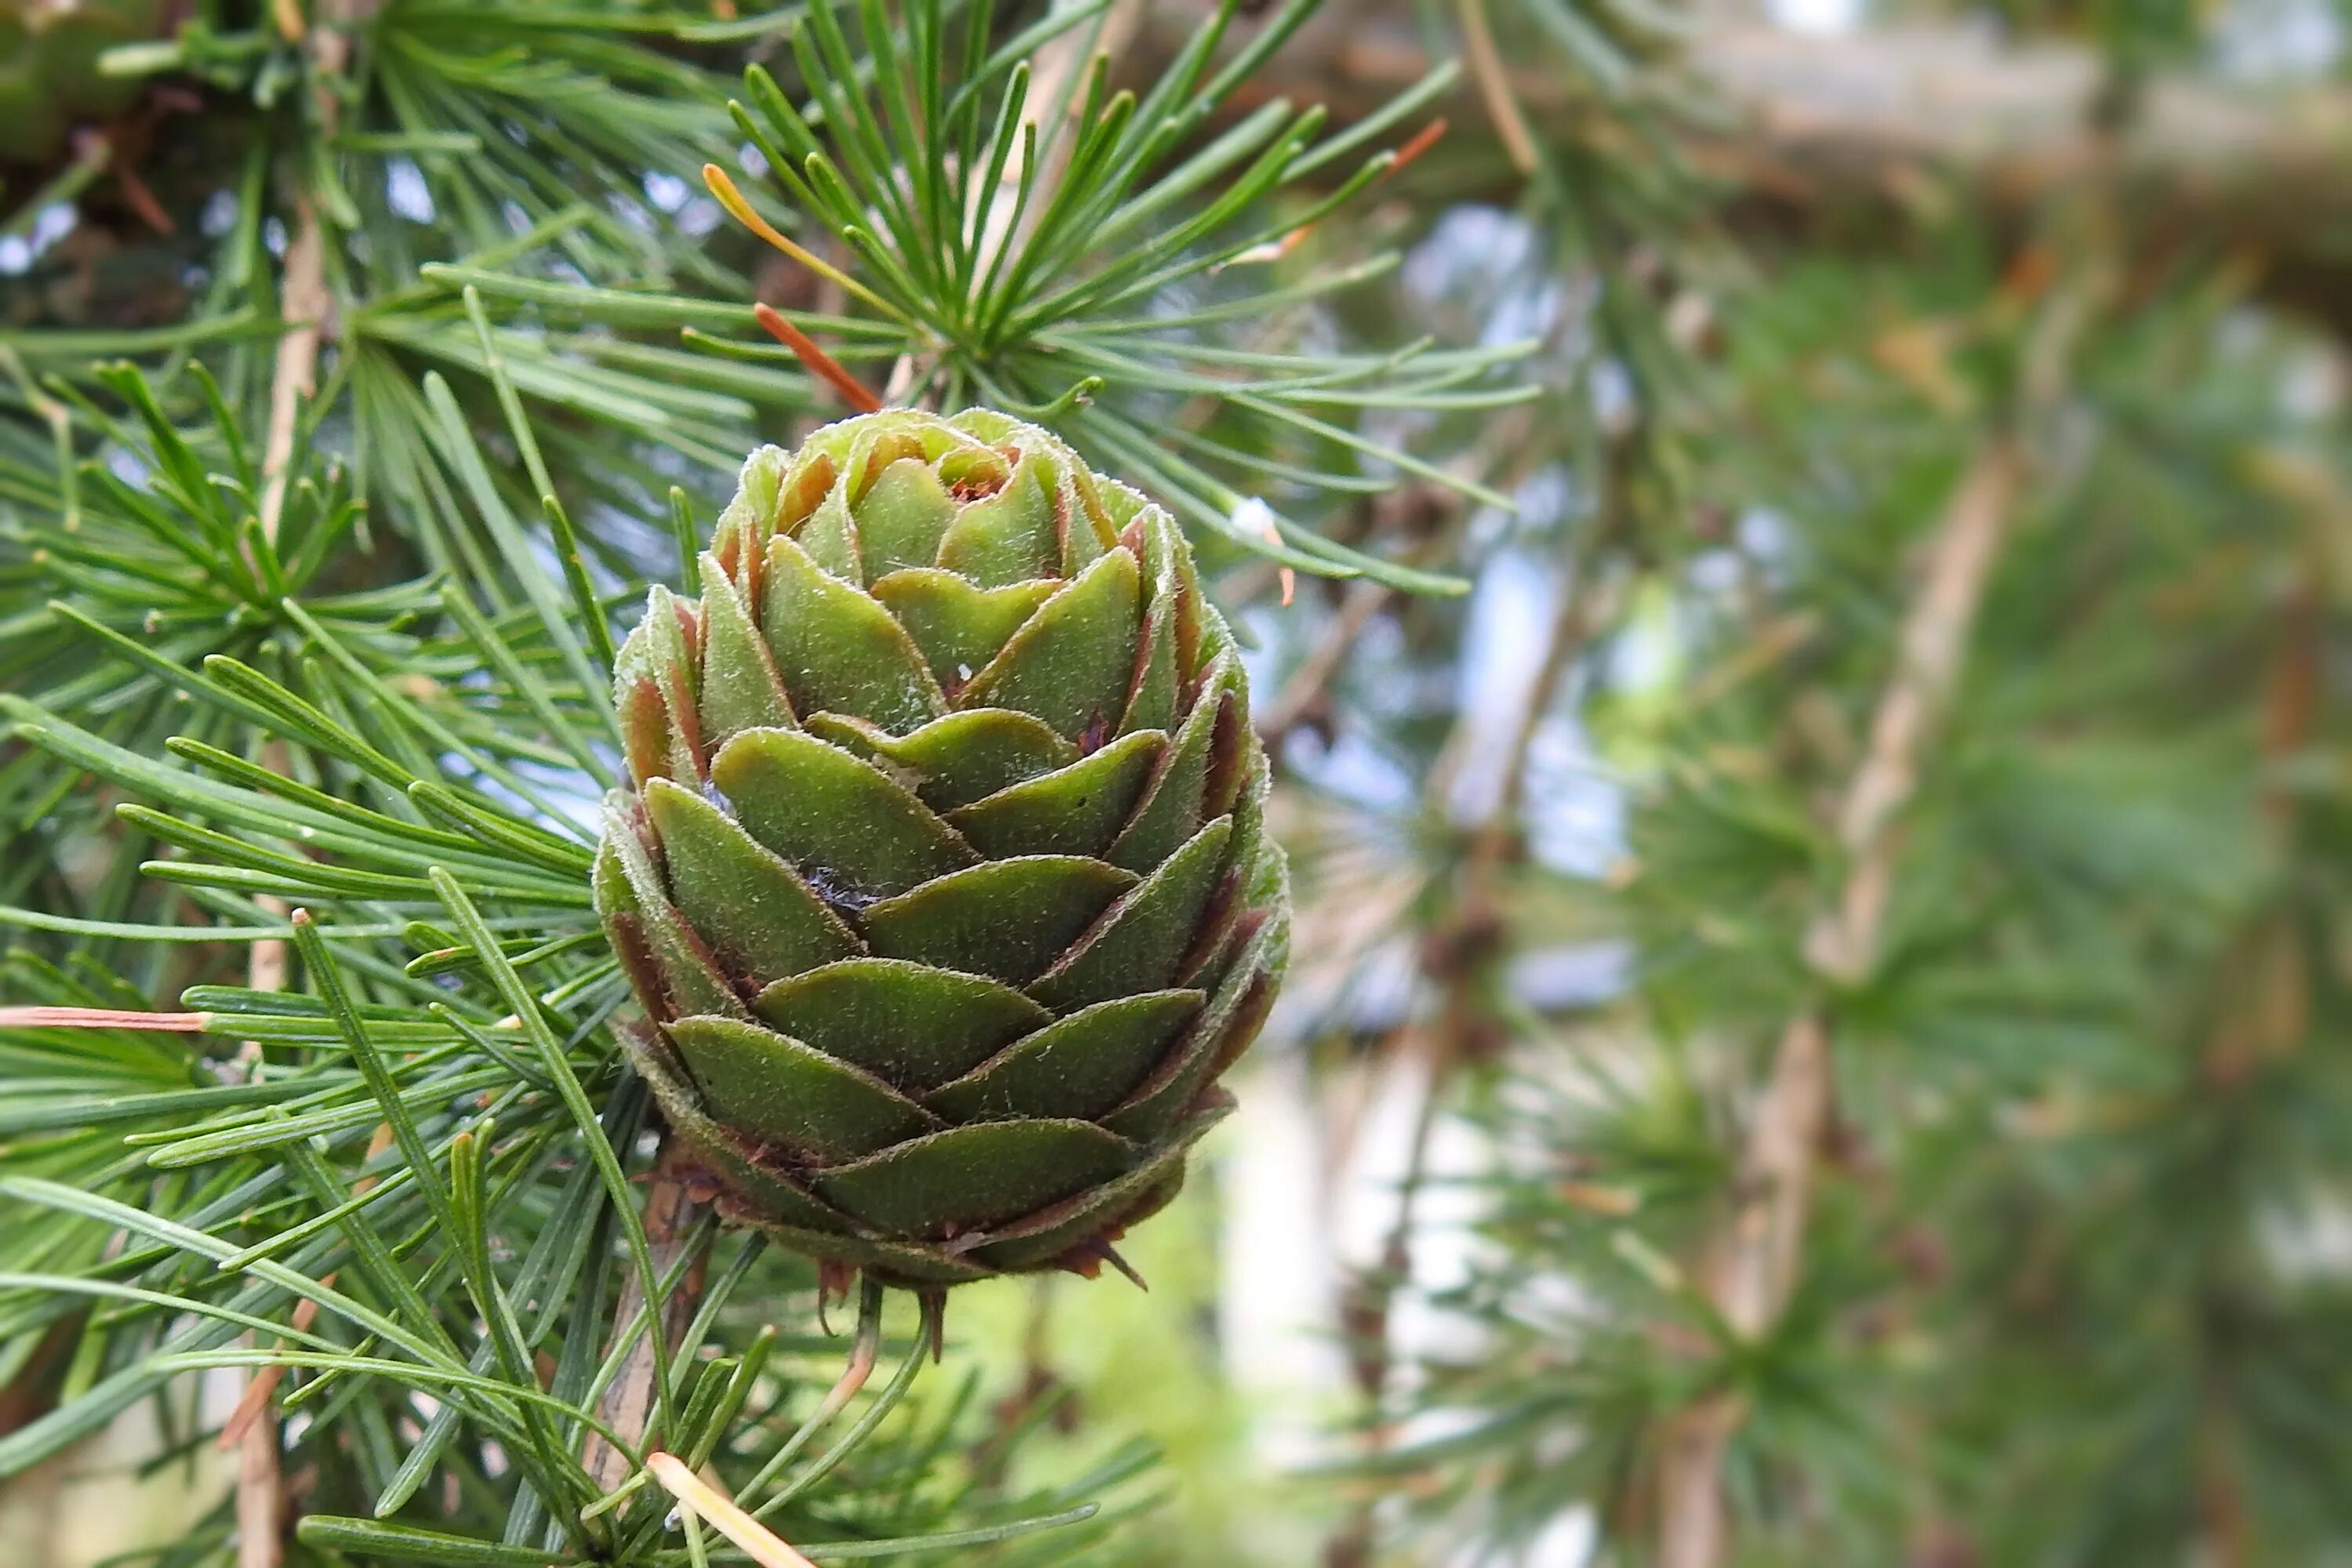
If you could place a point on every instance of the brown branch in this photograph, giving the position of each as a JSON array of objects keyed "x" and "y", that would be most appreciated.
[
  {"x": 1928, "y": 662},
  {"x": 1802, "y": 122},
  {"x": 260, "y": 1497},
  {"x": 2266, "y": 1017},
  {"x": 1756, "y": 1262},
  {"x": 305, "y": 301},
  {"x": 1460, "y": 959},
  {"x": 306, "y": 304},
  {"x": 1308, "y": 686},
  {"x": 675, "y": 1204},
  {"x": 1429, "y": 519},
  {"x": 1759, "y": 1253}
]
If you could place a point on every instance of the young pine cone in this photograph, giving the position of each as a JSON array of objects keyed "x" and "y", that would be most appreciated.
[{"x": 945, "y": 878}]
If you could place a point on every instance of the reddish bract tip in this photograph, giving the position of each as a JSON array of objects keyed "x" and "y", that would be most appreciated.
[{"x": 822, "y": 364}]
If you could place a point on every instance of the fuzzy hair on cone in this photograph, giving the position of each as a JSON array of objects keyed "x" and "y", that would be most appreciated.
[{"x": 944, "y": 880}]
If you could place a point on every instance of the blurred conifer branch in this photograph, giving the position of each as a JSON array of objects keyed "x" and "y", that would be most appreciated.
[{"x": 1911, "y": 117}]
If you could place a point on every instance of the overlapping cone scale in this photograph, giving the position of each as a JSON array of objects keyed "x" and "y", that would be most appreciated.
[{"x": 944, "y": 880}]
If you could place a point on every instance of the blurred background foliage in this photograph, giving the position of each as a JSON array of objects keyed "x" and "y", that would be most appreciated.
[{"x": 1822, "y": 946}]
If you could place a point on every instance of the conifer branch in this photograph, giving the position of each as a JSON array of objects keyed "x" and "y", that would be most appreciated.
[
  {"x": 675, "y": 1214},
  {"x": 287, "y": 718},
  {"x": 1462, "y": 958},
  {"x": 1756, "y": 1265}
]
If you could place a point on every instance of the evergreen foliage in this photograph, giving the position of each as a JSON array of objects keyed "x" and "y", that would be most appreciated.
[
  {"x": 1858, "y": 868},
  {"x": 312, "y": 598}
]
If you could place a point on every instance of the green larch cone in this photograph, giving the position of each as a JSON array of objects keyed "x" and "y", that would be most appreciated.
[
  {"x": 945, "y": 880},
  {"x": 49, "y": 73}
]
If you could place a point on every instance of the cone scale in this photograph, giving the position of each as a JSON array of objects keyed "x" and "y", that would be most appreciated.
[{"x": 944, "y": 880}]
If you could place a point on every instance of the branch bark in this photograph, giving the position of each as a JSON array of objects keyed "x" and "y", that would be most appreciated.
[
  {"x": 1460, "y": 953},
  {"x": 676, "y": 1202},
  {"x": 1800, "y": 122},
  {"x": 306, "y": 302},
  {"x": 1758, "y": 1257}
]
